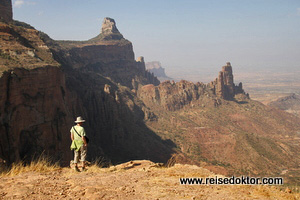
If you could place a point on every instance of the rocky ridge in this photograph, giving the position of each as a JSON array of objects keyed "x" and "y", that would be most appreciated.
[
  {"x": 175, "y": 95},
  {"x": 108, "y": 53},
  {"x": 129, "y": 114}
]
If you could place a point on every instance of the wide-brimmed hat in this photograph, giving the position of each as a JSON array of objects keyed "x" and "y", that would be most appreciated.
[{"x": 79, "y": 119}]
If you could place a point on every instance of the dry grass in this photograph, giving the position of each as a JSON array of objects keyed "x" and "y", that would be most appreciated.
[
  {"x": 99, "y": 165},
  {"x": 41, "y": 164},
  {"x": 171, "y": 162},
  {"x": 271, "y": 192}
]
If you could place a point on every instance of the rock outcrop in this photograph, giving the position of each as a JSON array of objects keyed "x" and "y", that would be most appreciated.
[
  {"x": 6, "y": 11},
  {"x": 224, "y": 86},
  {"x": 109, "y": 32},
  {"x": 33, "y": 114},
  {"x": 173, "y": 96},
  {"x": 109, "y": 26}
]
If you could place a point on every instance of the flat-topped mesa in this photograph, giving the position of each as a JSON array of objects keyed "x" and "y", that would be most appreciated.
[
  {"x": 6, "y": 11},
  {"x": 109, "y": 30},
  {"x": 224, "y": 85}
]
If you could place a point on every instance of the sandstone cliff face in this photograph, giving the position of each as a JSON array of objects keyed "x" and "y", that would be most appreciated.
[
  {"x": 44, "y": 89},
  {"x": 5, "y": 11},
  {"x": 173, "y": 96},
  {"x": 33, "y": 114},
  {"x": 115, "y": 119},
  {"x": 32, "y": 97},
  {"x": 106, "y": 54}
]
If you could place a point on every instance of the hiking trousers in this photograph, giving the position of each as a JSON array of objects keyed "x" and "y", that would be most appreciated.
[{"x": 82, "y": 152}]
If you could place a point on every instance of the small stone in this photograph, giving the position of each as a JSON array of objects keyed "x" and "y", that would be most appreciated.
[{"x": 288, "y": 190}]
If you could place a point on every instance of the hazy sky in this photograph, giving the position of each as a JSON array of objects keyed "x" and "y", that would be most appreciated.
[{"x": 181, "y": 34}]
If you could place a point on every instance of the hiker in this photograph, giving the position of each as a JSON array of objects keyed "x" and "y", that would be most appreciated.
[{"x": 79, "y": 142}]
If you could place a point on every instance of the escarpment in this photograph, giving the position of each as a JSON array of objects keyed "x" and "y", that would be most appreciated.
[
  {"x": 108, "y": 54},
  {"x": 32, "y": 97},
  {"x": 33, "y": 113},
  {"x": 45, "y": 84},
  {"x": 173, "y": 96}
]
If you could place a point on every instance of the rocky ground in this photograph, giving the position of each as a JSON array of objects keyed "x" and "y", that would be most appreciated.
[{"x": 132, "y": 180}]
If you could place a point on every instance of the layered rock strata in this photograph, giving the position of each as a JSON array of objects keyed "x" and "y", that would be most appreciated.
[
  {"x": 106, "y": 54},
  {"x": 34, "y": 117},
  {"x": 46, "y": 84}
]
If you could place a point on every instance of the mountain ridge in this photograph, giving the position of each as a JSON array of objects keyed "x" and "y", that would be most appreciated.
[{"x": 46, "y": 84}]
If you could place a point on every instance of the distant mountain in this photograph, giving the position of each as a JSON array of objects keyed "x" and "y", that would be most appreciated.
[
  {"x": 290, "y": 103},
  {"x": 158, "y": 71}
]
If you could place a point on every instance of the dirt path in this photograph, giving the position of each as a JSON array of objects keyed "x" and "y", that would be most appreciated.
[{"x": 132, "y": 180}]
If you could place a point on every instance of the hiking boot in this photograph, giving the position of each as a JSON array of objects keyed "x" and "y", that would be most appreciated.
[
  {"x": 76, "y": 169},
  {"x": 84, "y": 169}
]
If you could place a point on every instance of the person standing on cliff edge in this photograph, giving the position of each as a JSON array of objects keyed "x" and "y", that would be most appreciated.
[{"x": 79, "y": 143}]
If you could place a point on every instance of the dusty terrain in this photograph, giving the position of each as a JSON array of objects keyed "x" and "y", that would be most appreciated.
[{"x": 132, "y": 180}]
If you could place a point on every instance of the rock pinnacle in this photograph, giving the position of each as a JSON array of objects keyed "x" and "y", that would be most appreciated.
[{"x": 109, "y": 26}]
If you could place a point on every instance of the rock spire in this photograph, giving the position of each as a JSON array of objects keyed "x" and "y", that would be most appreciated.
[
  {"x": 109, "y": 26},
  {"x": 109, "y": 30},
  {"x": 224, "y": 85},
  {"x": 6, "y": 11}
]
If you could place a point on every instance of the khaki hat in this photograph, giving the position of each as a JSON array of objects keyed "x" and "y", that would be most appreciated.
[{"x": 79, "y": 119}]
